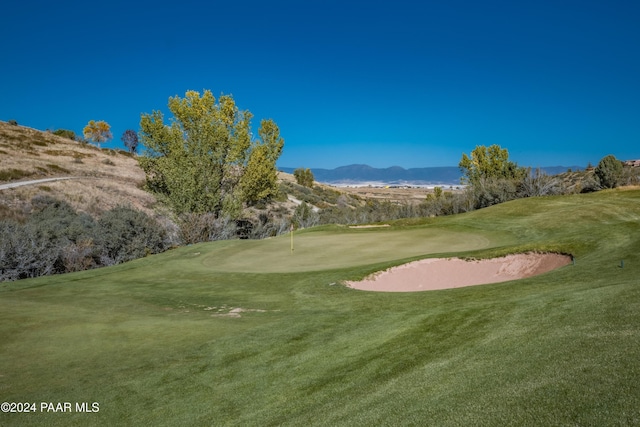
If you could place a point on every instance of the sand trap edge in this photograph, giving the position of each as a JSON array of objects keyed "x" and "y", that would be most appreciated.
[{"x": 446, "y": 273}]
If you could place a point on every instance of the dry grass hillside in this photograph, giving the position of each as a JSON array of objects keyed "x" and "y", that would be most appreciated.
[{"x": 102, "y": 178}]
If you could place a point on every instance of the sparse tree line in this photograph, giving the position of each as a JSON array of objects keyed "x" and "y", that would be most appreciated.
[
  {"x": 57, "y": 239},
  {"x": 97, "y": 132}
]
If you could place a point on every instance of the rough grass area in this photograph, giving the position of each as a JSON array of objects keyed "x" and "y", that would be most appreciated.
[
  {"x": 237, "y": 333},
  {"x": 105, "y": 178}
]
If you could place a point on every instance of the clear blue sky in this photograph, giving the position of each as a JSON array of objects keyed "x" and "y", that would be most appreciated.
[{"x": 407, "y": 83}]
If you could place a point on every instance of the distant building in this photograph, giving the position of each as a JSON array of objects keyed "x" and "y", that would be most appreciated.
[{"x": 632, "y": 163}]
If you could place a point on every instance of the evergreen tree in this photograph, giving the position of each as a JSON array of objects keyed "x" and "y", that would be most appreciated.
[{"x": 609, "y": 172}]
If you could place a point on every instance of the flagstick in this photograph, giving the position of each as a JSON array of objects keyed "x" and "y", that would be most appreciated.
[{"x": 291, "y": 238}]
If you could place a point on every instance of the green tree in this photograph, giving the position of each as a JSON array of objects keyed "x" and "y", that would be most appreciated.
[
  {"x": 259, "y": 179},
  {"x": 304, "y": 177},
  {"x": 609, "y": 172},
  {"x": 98, "y": 132},
  {"x": 488, "y": 163},
  {"x": 206, "y": 160}
]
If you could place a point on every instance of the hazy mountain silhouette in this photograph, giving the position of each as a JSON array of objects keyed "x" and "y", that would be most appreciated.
[{"x": 396, "y": 175}]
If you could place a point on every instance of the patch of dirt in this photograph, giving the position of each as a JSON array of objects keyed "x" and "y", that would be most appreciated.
[{"x": 446, "y": 273}]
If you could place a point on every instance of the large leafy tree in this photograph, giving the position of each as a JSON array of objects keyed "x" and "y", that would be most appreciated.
[
  {"x": 97, "y": 131},
  {"x": 206, "y": 159},
  {"x": 489, "y": 163}
]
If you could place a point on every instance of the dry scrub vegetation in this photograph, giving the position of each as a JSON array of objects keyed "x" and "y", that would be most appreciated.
[{"x": 103, "y": 178}]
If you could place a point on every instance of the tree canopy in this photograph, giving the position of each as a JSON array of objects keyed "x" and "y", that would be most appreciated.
[
  {"x": 130, "y": 140},
  {"x": 609, "y": 171},
  {"x": 304, "y": 177},
  {"x": 207, "y": 159},
  {"x": 97, "y": 131},
  {"x": 488, "y": 163}
]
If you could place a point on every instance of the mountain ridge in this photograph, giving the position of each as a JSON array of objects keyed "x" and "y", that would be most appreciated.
[{"x": 397, "y": 175}]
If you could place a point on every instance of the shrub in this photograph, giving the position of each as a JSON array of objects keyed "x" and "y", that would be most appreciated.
[
  {"x": 24, "y": 253},
  {"x": 631, "y": 176},
  {"x": 304, "y": 177},
  {"x": 124, "y": 234},
  {"x": 538, "y": 183},
  {"x": 57, "y": 220},
  {"x": 78, "y": 256},
  {"x": 195, "y": 228},
  {"x": 491, "y": 191},
  {"x": 304, "y": 216},
  {"x": 57, "y": 239},
  {"x": 269, "y": 226},
  {"x": 65, "y": 133},
  {"x": 609, "y": 172},
  {"x": 13, "y": 122}
]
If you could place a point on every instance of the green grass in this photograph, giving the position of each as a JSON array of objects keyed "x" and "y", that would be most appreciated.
[{"x": 152, "y": 341}]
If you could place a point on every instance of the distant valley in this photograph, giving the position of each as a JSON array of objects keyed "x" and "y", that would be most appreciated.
[{"x": 358, "y": 174}]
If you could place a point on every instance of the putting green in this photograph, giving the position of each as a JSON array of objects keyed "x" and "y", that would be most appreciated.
[{"x": 322, "y": 250}]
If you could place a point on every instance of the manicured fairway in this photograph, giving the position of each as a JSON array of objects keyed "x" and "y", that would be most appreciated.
[{"x": 246, "y": 333}]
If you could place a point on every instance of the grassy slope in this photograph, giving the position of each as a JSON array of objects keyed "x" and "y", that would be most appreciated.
[{"x": 140, "y": 338}]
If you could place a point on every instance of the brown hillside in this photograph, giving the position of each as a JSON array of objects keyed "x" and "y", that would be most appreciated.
[{"x": 102, "y": 178}]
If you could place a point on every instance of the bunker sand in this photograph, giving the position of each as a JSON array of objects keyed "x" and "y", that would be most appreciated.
[{"x": 446, "y": 273}]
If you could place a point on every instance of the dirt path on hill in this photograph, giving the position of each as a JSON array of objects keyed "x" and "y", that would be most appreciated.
[{"x": 34, "y": 181}]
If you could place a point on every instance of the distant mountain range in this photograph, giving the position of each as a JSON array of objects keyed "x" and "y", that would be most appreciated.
[{"x": 396, "y": 175}]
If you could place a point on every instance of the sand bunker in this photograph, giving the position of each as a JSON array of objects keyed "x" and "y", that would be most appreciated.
[{"x": 445, "y": 273}]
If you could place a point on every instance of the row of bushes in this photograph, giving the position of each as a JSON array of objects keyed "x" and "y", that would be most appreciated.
[
  {"x": 194, "y": 228},
  {"x": 57, "y": 239},
  {"x": 485, "y": 193}
]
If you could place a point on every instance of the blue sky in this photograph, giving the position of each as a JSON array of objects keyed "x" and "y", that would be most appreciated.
[{"x": 384, "y": 83}]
